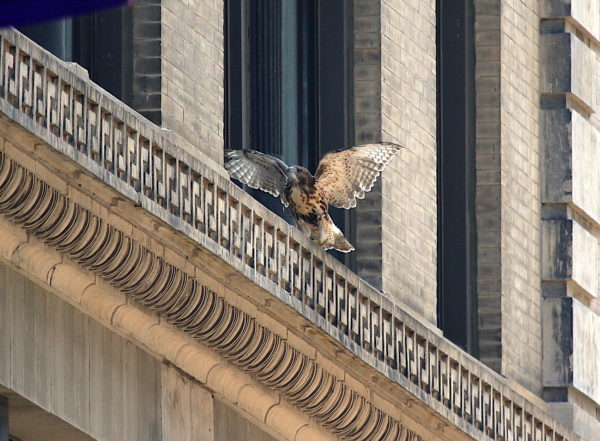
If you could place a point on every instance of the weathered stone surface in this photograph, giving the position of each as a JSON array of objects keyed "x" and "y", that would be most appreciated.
[
  {"x": 570, "y": 253},
  {"x": 571, "y": 161},
  {"x": 584, "y": 12},
  {"x": 571, "y": 346},
  {"x": 574, "y": 71},
  {"x": 575, "y": 418}
]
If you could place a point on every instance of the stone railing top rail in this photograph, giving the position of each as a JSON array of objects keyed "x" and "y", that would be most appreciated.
[{"x": 139, "y": 160}]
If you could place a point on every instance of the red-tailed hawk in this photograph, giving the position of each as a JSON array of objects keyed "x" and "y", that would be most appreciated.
[{"x": 342, "y": 177}]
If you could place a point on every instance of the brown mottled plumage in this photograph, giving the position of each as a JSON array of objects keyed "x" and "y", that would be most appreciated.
[{"x": 341, "y": 178}]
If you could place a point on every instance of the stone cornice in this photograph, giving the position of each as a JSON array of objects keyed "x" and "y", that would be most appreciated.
[
  {"x": 145, "y": 277},
  {"x": 128, "y": 154}
]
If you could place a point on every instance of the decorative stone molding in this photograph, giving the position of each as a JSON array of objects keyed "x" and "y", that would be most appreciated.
[
  {"x": 136, "y": 271},
  {"x": 120, "y": 148}
]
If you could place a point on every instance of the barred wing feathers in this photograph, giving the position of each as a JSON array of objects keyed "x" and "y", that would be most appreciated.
[
  {"x": 257, "y": 170},
  {"x": 346, "y": 175}
]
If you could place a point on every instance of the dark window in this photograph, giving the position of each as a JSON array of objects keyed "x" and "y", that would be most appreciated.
[
  {"x": 102, "y": 43},
  {"x": 456, "y": 173},
  {"x": 287, "y": 90},
  {"x": 3, "y": 418}
]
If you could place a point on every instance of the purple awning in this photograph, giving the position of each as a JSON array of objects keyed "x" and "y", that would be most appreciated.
[{"x": 23, "y": 12}]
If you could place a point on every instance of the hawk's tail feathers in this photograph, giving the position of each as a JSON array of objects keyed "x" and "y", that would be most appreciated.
[
  {"x": 341, "y": 244},
  {"x": 332, "y": 237}
]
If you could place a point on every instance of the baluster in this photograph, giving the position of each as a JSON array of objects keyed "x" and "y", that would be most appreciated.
[
  {"x": 223, "y": 218},
  {"x": 455, "y": 387},
  {"x": 389, "y": 338},
  {"x": 198, "y": 203},
  {"x": 306, "y": 276},
  {"x": 527, "y": 427},
  {"x": 210, "y": 208},
  {"x": 25, "y": 84},
  {"x": 509, "y": 422},
  {"x": 160, "y": 187},
  {"x": 377, "y": 330},
  {"x": 119, "y": 149},
  {"x": 538, "y": 431},
  {"x": 518, "y": 425},
  {"x": 498, "y": 414},
  {"x": 423, "y": 364},
  {"x": 79, "y": 115},
  {"x": 106, "y": 140},
  {"x": 172, "y": 190},
  {"x": 318, "y": 288},
  {"x": 486, "y": 394},
  {"x": 185, "y": 193},
  {"x": 93, "y": 127},
  {"x": 467, "y": 398},
  {"x": 364, "y": 328},
  {"x": 434, "y": 380},
  {"x": 247, "y": 236},
  {"x": 39, "y": 88},
  {"x": 53, "y": 111},
  {"x": 66, "y": 106},
  {"x": 295, "y": 269},
  {"x": 133, "y": 160},
  {"x": 353, "y": 310},
  {"x": 284, "y": 262},
  {"x": 234, "y": 228},
  {"x": 271, "y": 262},
  {"x": 342, "y": 297},
  {"x": 259, "y": 253},
  {"x": 411, "y": 350},
  {"x": 445, "y": 380},
  {"x": 476, "y": 401},
  {"x": 10, "y": 75},
  {"x": 329, "y": 296},
  {"x": 401, "y": 350},
  {"x": 335, "y": 298},
  {"x": 551, "y": 435},
  {"x": 146, "y": 168}
]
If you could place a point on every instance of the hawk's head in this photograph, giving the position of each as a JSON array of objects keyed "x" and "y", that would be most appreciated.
[{"x": 301, "y": 177}]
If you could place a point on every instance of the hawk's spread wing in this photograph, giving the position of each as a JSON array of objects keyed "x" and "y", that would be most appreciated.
[
  {"x": 258, "y": 170},
  {"x": 346, "y": 175}
]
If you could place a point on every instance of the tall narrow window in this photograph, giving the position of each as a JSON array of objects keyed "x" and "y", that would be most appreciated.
[
  {"x": 288, "y": 83},
  {"x": 102, "y": 43},
  {"x": 456, "y": 173}
]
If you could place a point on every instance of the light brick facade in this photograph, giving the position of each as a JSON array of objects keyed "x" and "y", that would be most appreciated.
[
  {"x": 396, "y": 224},
  {"x": 192, "y": 72},
  {"x": 315, "y": 327}
]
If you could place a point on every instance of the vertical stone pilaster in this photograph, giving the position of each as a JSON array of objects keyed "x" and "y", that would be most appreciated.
[
  {"x": 570, "y": 132},
  {"x": 394, "y": 100},
  {"x": 508, "y": 181},
  {"x": 488, "y": 183},
  {"x": 147, "y": 61}
]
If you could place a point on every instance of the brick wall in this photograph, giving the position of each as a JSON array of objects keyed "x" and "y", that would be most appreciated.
[
  {"x": 367, "y": 128},
  {"x": 146, "y": 61},
  {"x": 520, "y": 200},
  {"x": 488, "y": 184},
  {"x": 508, "y": 184},
  {"x": 192, "y": 64},
  {"x": 395, "y": 98}
]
